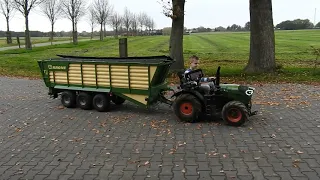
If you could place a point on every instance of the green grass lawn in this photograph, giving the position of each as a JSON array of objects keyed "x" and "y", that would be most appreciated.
[{"x": 229, "y": 50}]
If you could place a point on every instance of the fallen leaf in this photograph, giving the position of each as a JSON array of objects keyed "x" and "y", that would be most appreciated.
[
  {"x": 96, "y": 130},
  {"x": 295, "y": 163},
  {"x": 60, "y": 107},
  {"x": 299, "y": 152}
]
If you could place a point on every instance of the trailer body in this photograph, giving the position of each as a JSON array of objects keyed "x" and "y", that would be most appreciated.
[{"x": 137, "y": 79}]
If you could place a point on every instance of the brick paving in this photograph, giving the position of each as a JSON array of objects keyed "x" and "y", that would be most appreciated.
[{"x": 41, "y": 140}]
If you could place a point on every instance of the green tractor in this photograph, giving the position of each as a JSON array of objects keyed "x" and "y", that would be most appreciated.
[{"x": 196, "y": 100}]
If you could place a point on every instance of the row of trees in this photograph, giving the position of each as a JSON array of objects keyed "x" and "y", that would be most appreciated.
[
  {"x": 297, "y": 24},
  {"x": 262, "y": 38},
  {"x": 101, "y": 13},
  {"x": 284, "y": 25}
]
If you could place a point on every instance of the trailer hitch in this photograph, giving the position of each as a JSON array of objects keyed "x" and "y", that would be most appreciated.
[
  {"x": 165, "y": 100},
  {"x": 253, "y": 113}
]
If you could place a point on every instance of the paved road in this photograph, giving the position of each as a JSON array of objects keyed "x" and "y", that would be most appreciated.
[
  {"x": 39, "y": 44},
  {"x": 41, "y": 140}
]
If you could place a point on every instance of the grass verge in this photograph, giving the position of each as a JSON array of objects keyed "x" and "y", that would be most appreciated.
[{"x": 228, "y": 50}]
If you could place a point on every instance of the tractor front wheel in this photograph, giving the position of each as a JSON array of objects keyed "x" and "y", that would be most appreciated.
[
  {"x": 235, "y": 113},
  {"x": 187, "y": 108}
]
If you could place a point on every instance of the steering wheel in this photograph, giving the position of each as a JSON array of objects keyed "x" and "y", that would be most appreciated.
[{"x": 218, "y": 76}]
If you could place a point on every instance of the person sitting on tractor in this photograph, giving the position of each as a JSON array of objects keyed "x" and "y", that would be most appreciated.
[
  {"x": 204, "y": 81},
  {"x": 194, "y": 63}
]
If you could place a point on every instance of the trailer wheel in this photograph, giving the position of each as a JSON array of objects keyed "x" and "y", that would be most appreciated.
[
  {"x": 117, "y": 100},
  {"x": 235, "y": 113},
  {"x": 68, "y": 99},
  {"x": 187, "y": 108},
  {"x": 101, "y": 102},
  {"x": 84, "y": 100}
]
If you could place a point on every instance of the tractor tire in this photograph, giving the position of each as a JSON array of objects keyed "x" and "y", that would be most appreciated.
[
  {"x": 84, "y": 100},
  {"x": 117, "y": 99},
  {"x": 68, "y": 99},
  {"x": 101, "y": 102},
  {"x": 235, "y": 113},
  {"x": 187, "y": 108}
]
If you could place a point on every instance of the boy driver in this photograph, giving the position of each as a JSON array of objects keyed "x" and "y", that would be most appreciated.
[{"x": 194, "y": 63}]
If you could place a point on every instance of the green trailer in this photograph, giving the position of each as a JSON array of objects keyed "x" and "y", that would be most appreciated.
[
  {"x": 86, "y": 81},
  {"x": 95, "y": 82}
]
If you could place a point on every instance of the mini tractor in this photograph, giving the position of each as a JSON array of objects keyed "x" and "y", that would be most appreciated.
[{"x": 196, "y": 99}]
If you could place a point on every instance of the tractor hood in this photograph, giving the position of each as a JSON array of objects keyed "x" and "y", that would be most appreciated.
[{"x": 238, "y": 89}]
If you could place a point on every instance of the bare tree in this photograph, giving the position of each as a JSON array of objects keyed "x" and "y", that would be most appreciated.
[
  {"x": 24, "y": 7},
  {"x": 134, "y": 23},
  {"x": 74, "y": 10},
  {"x": 102, "y": 10},
  {"x": 152, "y": 24},
  {"x": 148, "y": 24},
  {"x": 7, "y": 10},
  {"x": 52, "y": 10},
  {"x": 127, "y": 18},
  {"x": 116, "y": 21},
  {"x": 92, "y": 19},
  {"x": 141, "y": 20}
]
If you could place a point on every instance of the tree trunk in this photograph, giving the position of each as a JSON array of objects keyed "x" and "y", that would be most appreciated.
[
  {"x": 27, "y": 34},
  {"x": 9, "y": 38},
  {"x": 51, "y": 37},
  {"x": 74, "y": 32},
  {"x": 176, "y": 37},
  {"x": 91, "y": 32},
  {"x": 116, "y": 33},
  {"x": 262, "y": 39},
  {"x": 101, "y": 32}
]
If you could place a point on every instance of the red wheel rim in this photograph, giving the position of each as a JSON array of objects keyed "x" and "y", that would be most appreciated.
[
  {"x": 234, "y": 115},
  {"x": 186, "y": 108}
]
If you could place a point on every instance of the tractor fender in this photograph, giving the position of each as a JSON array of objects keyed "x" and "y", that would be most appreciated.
[{"x": 195, "y": 93}]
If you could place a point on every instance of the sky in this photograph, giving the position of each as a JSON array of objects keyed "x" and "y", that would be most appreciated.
[{"x": 207, "y": 13}]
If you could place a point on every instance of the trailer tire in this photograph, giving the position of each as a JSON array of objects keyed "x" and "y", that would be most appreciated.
[
  {"x": 101, "y": 102},
  {"x": 68, "y": 99},
  {"x": 84, "y": 100},
  {"x": 187, "y": 107},
  {"x": 117, "y": 100},
  {"x": 235, "y": 113}
]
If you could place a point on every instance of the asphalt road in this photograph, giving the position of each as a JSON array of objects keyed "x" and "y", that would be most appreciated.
[
  {"x": 39, "y": 44},
  {"x": 42, "y": 140}
]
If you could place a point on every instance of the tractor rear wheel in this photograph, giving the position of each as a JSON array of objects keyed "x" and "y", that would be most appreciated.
[
  {"x": 68, "y": 99},
  {"x": 187, "y": 108},
  {"x": 101, "y": 102},
  {"x": 235, "y": 113},
  {"x": 84, "y": 100}
]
